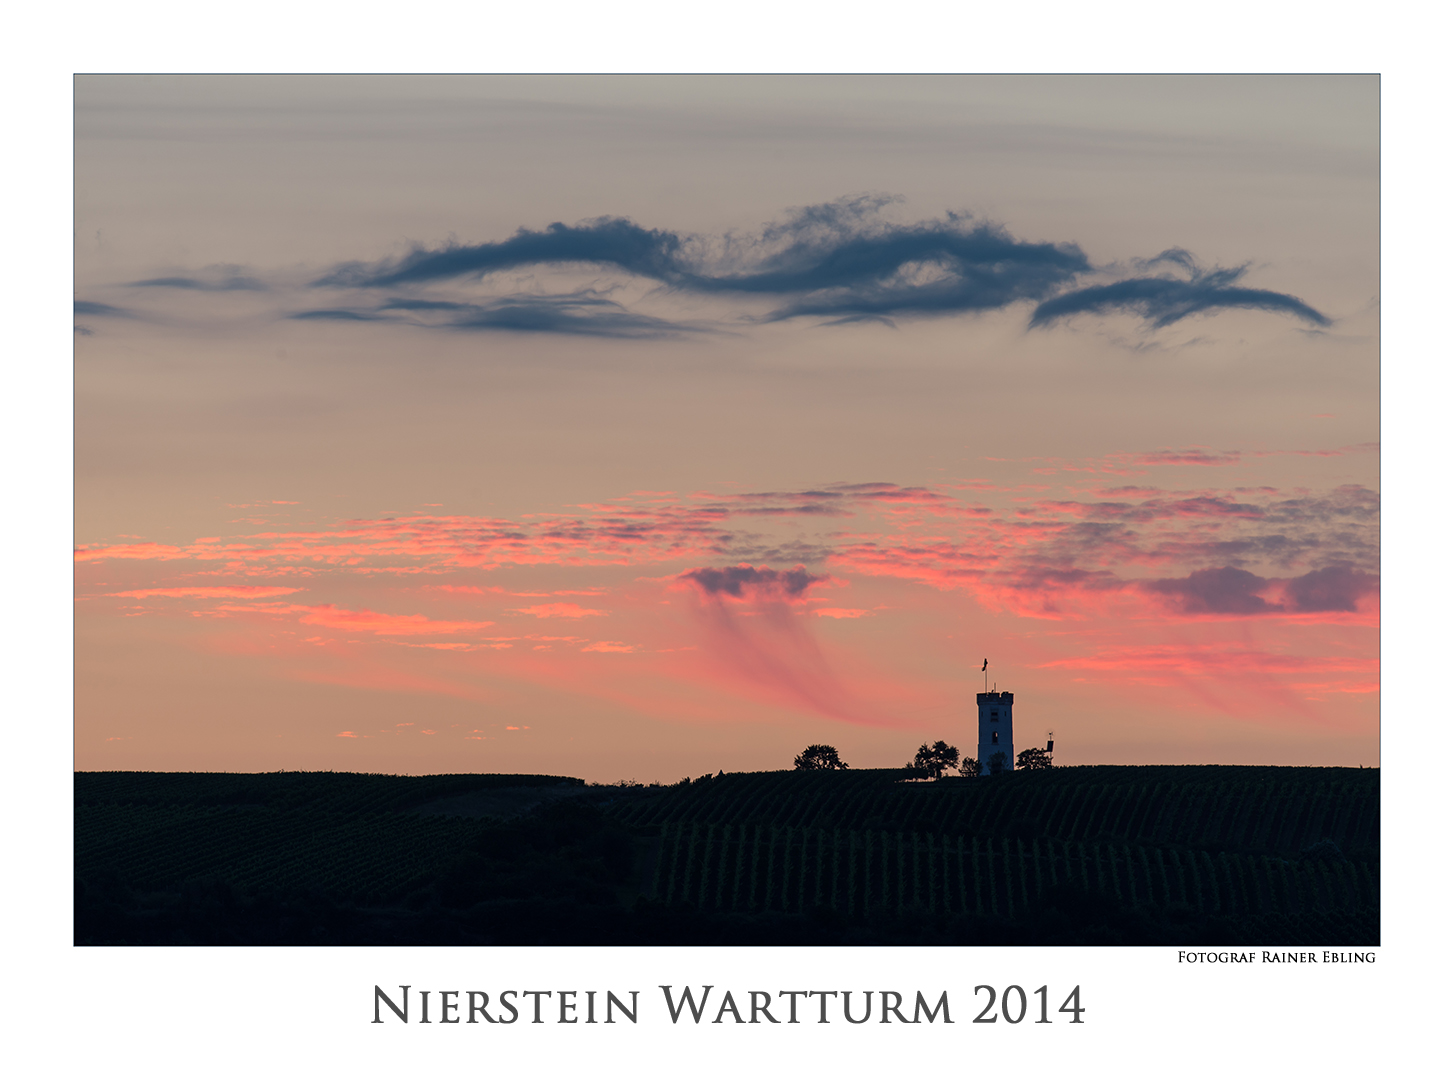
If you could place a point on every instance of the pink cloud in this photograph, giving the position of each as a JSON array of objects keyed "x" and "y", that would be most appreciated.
[
  {"x": 375, "y": 622},
  {"x": 558, "y": 611},
  {"x": 712, "y": 592},
  {"x": 243, "y": 592},
  {"x": 556, "y": 592},
  {"x": 1051, "y": 557},
  {"x": 1238, "y": 678},
  {"x": 360, "y": 621},
  {"x": 765, "y": 650},
  {"x": 1222, "y": 659},
  {"x": 1196, "y": 455},
  {"x": 130, "y": 551}
]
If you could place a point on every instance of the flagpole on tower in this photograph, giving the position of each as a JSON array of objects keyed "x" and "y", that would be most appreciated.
[{"x": 986, "y": 669}]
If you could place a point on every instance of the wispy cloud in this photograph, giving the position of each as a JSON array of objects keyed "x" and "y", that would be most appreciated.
[
  {"x": 95, "y": 308},
  {"x": 841, "y": 262},
  {"x": 752, "y": 631},
  {"x": 375, "y": 622},
  {"x": 837, "y": 260},
  {"x": 1218, "y": 659},
  {"x": 1163, "y": 299},
  {"x": 209, "y": 592},
  {"x": 604, "y": 241},
  {"x": 338, "y": 315},
  {"x": 220, "y": 278},
  {"x": 558, "y": 611},
  {"x": 610, "y": 647},
  {"x": 582, "y": 312},
  {"x": 1146, "y": 552},
  {"x": 91, "y": 307},
  {"x": 703, "y": 601}
]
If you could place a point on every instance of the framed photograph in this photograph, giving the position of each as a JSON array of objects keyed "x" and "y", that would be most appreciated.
[{"x": 579, "y": 525}]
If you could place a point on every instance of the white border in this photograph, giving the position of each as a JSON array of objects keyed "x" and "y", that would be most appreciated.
[{"x": 291, "y": 1011}]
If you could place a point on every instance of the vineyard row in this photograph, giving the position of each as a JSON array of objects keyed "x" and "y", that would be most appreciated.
[
  {"x": 374, "y": 855},
  {"x": 1258, "y": 816},
  {"x": 765, "y": 867}
]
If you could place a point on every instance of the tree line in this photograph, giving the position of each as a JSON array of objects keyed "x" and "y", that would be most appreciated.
[{"x": 930, "y": 762}]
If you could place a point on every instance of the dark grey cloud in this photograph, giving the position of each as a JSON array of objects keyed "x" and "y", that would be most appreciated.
[
  {"x": 1333, "y": 588},
  {"x": 339, "y": 314},
  {"x": 1339, "y": 527},
  {"x": 1161, "y": 299},
  {"x": 1352, "y": 502},
  {"x": 840, "y": 262},
  {"x": 837, "y": 260},
  {"x": 756, "y": 548},
  {"x": 1230, "y": 591},
  {"x": 90, "y": 307},
  {"x": 808, "y": 508},
  {"x": 1223, "y": 591},
  {"x": 1191, "y": 456},
  {"x": 1038, "y": 577},
  {"x": 1157, "y": 509},
  {"x": 584, "y": 312},
  {"x": 732, "y": 580},
  {"x": 604, "y": 241},
  {"x": 571, "y": 313},
  {"x": 230, "y": 283},
  {"x": 838, "y": 500}
]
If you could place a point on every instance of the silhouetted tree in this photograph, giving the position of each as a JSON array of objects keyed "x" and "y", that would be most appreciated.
[
  {"x": 1033, "y": 758},
  {"x": 969, "y": 767},
  {"x": 934, "y": 760},
  {"x": 817, "y": 757},
  {"x": 998, "y": 761}
]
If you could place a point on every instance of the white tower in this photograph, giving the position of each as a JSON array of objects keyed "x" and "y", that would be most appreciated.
[{"x": 996, "y": 732}]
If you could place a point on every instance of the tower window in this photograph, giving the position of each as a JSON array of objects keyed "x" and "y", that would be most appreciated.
[
  {"x": 994, "y": 736},
  {"x": 994, "y": 716}
]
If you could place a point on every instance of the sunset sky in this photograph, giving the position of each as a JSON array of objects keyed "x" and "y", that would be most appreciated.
[{"x": 645, "y": 427}]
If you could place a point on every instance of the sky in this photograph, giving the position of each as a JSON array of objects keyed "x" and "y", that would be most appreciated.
[{"x": 636, "y": 428}]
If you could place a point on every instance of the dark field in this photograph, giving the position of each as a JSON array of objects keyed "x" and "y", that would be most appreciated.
[{"x": 1148, "y": 855}]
